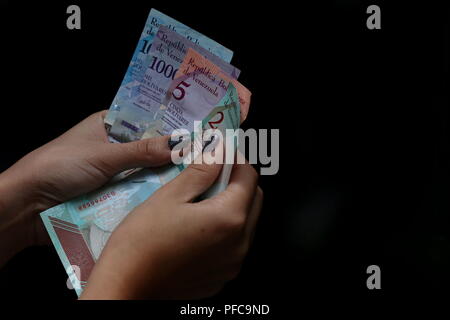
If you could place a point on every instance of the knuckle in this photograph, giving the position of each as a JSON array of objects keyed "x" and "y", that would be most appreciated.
[
  {"x": 203, "y": 173},
  {"x": 260, "y": 192},
  {"x": 144, "y": 150},
  {"x": 233, "y": 224},
  {"x": 147, "y": 147},
  {"x": 201, "y": 169},
  {"x": 253, "y": 173},
  {"x": 98, "y": 115}
]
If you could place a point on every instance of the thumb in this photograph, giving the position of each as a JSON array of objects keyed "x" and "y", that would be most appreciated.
[{"x": 151, "y": 152}]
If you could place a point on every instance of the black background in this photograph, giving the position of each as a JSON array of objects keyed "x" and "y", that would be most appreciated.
[{"x": 364, "y": 127}]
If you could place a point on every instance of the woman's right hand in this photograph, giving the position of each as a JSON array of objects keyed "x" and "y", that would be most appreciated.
[{"x": 172, "y": 248}]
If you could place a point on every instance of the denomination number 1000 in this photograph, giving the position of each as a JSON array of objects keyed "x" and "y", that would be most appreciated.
[{"x": 160, "y": 66}]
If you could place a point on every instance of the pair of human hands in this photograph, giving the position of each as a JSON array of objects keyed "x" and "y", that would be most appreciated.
[{"x": 167, "y": 247}]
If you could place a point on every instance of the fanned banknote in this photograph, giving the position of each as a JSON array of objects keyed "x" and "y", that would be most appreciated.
[
  {"x": 139, "y": 61},
  {"x": 165, "y": 57},
  {"x": 202, "y": 89},
  {"x": 198, "y": 86}
]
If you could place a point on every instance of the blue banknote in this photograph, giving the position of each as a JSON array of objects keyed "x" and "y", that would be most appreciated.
[
  {"x": 80, "y": 228},
  {"x": 165, "y": 57},
  {"x": 139, "y": 61}
]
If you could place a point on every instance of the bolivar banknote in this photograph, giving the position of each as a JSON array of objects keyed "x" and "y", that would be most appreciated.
[
  {"x": 201, "y": 90},
  {"x": 198, "y": 86},
  {"x": 166, "y": 55},
  {"x": 137, "y": 65},
  {"x": 225, "y": 115},
  {"x": 80, "y": 228}
]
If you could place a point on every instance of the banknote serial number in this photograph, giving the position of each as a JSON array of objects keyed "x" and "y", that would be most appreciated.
[{"x": 228, "y": 309}]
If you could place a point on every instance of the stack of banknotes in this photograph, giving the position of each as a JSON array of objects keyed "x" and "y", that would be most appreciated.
[{"x": 176, "y": 76}]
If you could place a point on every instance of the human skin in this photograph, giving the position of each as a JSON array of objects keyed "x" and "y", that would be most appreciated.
[
  {"x": 79, "y": 161},
  {"x": 173, "y": 248},
  {"x": 168, "y": 247}
]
